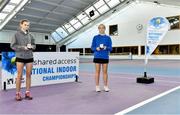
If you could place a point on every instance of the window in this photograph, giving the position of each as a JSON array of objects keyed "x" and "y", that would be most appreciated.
[
  {"x": 3, "y": 16},
  {"x": 92, "y": 12},
  {"x": 56, "y": 37},
  {"x": 112, "y": 3},
  {"x": 69, "y": 28},
  {"x": 119, "y": 49},
  {"x": 15, "y": 1},
  {"x": 134, "y": 50},
  {"x": 88, "y": 51},
  {"x": 164, "y": 50},
  {"x": 74, "y": 21},
  {"x": 174, "y": 22},
  {"x": 114, "y": 50},
  {"x": 99, "y": 4},
  {"x": 8, "y": 8},
  {"x": 78, "y": 25},
  {"x": 142, "y": 50},
  {"x": 103, "y": 9},
  {"x": 85, "y": 20},
  {"x": 125, "y": 50},
  {"x": 81, "y": 16},
  {"x": 61, "y": 32},
  {"x": 80, "y": 50},
  {"x": 174, "y": 49},
  {"x": 113, "y": 30}
]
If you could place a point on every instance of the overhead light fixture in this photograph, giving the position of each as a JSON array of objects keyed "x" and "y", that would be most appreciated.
[{"x": 91, "y": 13}]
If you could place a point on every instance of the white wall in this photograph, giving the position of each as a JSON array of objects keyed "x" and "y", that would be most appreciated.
[
  {"x": 127, "y": 20},
  {"x": 6, "y": 36}
]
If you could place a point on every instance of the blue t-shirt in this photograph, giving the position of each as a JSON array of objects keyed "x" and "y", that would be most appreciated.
[{"x": 106, "y": 41}]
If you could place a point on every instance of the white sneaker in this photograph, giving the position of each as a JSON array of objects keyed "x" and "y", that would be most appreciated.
[
  {"x": 98, "y": 89},
  {"x": 106, "y": 89}
]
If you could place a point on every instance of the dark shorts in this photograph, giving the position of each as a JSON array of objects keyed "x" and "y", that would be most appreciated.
[
  {"x": 31, "y": 60},
  {"x": 101, "y": 61}
]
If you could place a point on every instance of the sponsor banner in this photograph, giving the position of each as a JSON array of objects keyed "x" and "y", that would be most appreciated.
[
  {"x": 157, "y": 29},
  {"x": 48, "y": 68}
]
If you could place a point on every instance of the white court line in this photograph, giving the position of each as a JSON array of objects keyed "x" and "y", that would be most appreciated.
[
  {"x": 147, "y": 101},
  {"x": 166, "y": 81}
]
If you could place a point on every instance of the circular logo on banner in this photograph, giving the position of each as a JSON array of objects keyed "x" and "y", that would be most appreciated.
[{"x": 158, "y": 23}]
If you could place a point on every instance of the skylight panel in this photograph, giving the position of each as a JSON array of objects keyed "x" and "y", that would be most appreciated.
[
  {"x": 3, "y": 16},
  {"x": 103, "y": 9},
  {"x": 61, "y": 32},
  {"x": 99, "y": 4},
  {"x": 56, "y": 37},
  {"x": 78, "y": 25},
  {"x": 113, "y": 3},
  {"x": 15, "y": 1},
  {"x": 8, "y": 8}
]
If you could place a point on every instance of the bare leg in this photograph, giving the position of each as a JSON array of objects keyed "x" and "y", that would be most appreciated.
[
  {"x": 105, "y": 74},
  {"x": 105, "y": 77},
  {"x": 28, "y": 75},
  {"x": 97, "y": 75},
  {"x": 20, "y": 67}
]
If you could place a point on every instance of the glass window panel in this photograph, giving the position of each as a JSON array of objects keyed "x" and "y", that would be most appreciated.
[
  {"x": 8, "y": 8},
  {"x": 81, "y": 16},
  {"x": 71, "y": 29},
  {"x": 67, "y": 25},
  {"x": 3, "y": 15},
  {"x": 113, "y": 3},
  {"x": 78, "y": 25},
  {"x": 74, "y": 21},
  {"x": 62, "y": 32},
  {"x": 15, "y": 1},
  {"x": 103, "y": 9},
  {"x": 56, "y": 37},
  {"x": 85, "y": 20},
  {"x": 99, "y": 4}
]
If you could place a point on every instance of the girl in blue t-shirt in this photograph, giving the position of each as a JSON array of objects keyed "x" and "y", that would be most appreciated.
[{"x": 101, "y": 46}]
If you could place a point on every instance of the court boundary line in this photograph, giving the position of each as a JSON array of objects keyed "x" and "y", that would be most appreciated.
[
  {"x": 166, "y": 81},
  {"x": 125, "y": 111}
]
